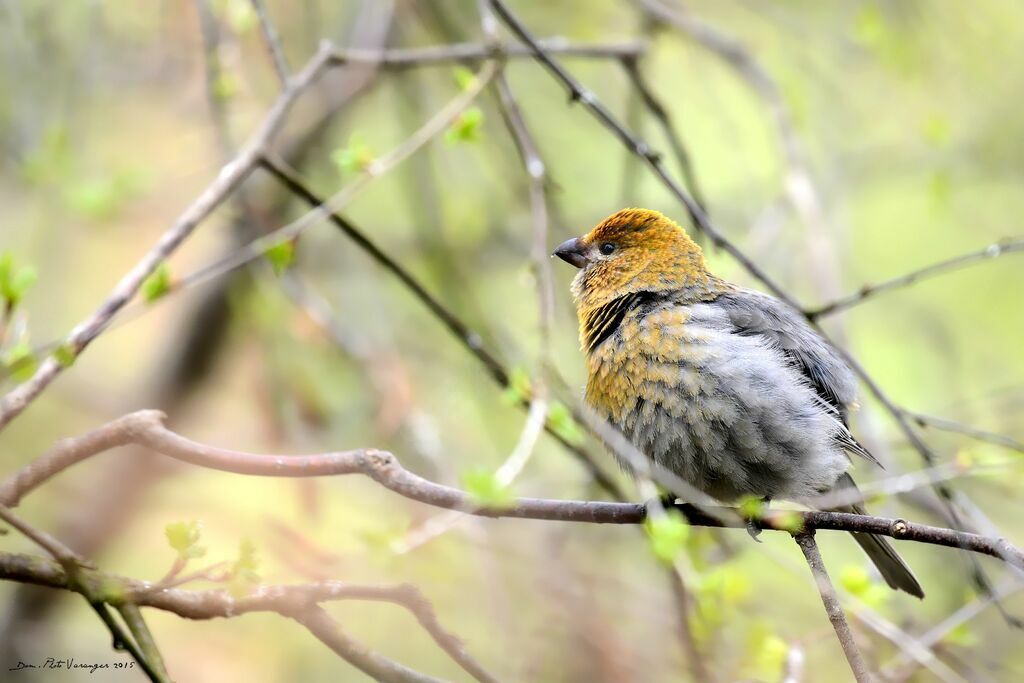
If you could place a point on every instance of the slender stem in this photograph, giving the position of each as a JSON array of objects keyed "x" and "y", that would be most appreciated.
[
  {"x": 273, "y": 42},
  {"x": 868, "y": 291},
  {"x": 832, "y": 607}
]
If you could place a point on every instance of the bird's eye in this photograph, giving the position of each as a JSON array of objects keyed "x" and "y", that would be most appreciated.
[{"x": 607, "y": 248}]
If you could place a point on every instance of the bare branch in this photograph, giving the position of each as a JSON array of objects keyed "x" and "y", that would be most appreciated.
[
  {"x": 146, "y": 428},
  {"x": 945, "y": 425},
  {"x": 405, "y": 58},
  {"x": 287, "y": 599},
  {"x": 868, "y": 291},
  {"x": 378, "y": 667},
  {"x": 273, "y": 43},
  {"x": 832, "y": 607}
]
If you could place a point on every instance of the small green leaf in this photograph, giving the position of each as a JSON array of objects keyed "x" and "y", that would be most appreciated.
[
  {"x": 65, "y": 354},
  {"x": 244, "y": 569},
  {"x": 240, "y": 15},
  {"x": 562, "y": 423},
  {"x": 157, "y": 284},
  {"x": 466, "y": 126},
  {"x": 519, "y": 389},
  {"x": 855, "y": 579},
  {"x": 225, "y": 86},
  {"x": 184, "y": 538},
  {"x": 752, "y": 507},
  {"x": 281, "y": 256},
  {"x": 356, "y": 157},
  {"x": 936, "y": 130},
  {"x": 14, "y": 281},
  {"x": 464, "y": 78},
  {"x": 789, "y": 520},
  {"x": 668, "y": 534},
  {"x": 485, "y": 490},
  {"x": 19, "y": 361},
  {"x": 962, "y": 635}
]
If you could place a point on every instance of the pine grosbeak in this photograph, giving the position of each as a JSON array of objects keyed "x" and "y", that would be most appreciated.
[{"x": 725, "y": 387}]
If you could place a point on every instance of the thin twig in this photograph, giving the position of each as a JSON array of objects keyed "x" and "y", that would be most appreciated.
[
  {"x": 695, "y": 660},
  {"x": 453, "y": 53},
  {"x": 868, "y": 291},
  {"x": 945, "y": 425},
  {"x": 375, "y": 665},
  {"x": 675, "y": 141},
  {"x": 834, "y": 610},
  {"x": 273, "y": 43},
  {"x": 144, "y": 638}
]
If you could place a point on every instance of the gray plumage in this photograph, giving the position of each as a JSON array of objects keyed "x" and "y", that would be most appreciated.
[{"x": 737, "y": 395}]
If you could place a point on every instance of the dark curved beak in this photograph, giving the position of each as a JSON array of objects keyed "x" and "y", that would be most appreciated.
[{"x": 571, "y": 251}]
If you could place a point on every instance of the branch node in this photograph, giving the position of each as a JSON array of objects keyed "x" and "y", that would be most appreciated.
[{"x": 899, "y": 528}]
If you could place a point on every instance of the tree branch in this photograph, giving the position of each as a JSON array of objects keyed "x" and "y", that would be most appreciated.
[
  {"x": 289, "y": 599},
  {"x": 146, "y": 428},
  {"x": 834, "y": 610},
  {"x": 868, "y": 291}
]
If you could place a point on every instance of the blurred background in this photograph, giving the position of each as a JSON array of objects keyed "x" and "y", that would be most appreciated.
[{"x": 837, "y": 144}]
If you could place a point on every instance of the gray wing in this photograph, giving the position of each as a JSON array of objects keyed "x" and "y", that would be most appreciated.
[{"x": 753, "y": 313}]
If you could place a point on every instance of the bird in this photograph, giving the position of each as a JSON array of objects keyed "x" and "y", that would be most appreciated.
[{"x": 725, "y": 387}]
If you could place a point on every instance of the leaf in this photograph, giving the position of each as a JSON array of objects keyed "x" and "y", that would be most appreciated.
[
  {"x": 240, "y": 15},
  {"x": 184, "y": 538},
  {"x": 281, "y": 256},
  {"x": 466, "y": 126},
  {"x": 936, "y": 130},
  {"x": 243, "y": 570},
  {"x": 464, "y": 78},
  {"x": 356, "y": 157},
  {"x": 562, "y": 424},
  {"x": 104, "y": 198},
  {"x": 19, "y": 361},
  {"x": 962, "y": 635},
  {"x": 519, "y": 387},
  {"x": 65, "y": 354},
  {"x": 50, "y": 161},
  {"x": 855, "y": 579},
  {"x": 789, "y": 520},
  {"x": 14, "y": 281},
  {"x": 225, "y": 86},
  {"x": 157, "y": 284},
  {"x": 752, "y": 507},
  {"x": 485, "y": 490},
  {"x": 668, "y": 534}
]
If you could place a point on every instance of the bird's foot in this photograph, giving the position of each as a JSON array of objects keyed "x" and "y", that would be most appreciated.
[
  {"x": 669, "y": 501},
  {"x": 753, "y": 527}
]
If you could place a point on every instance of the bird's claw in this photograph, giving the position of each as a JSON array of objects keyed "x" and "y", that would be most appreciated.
[{"x": 753, "y": 528}]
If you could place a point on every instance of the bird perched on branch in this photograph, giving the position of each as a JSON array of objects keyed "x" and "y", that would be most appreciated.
[{"x": 726, "y": 388}]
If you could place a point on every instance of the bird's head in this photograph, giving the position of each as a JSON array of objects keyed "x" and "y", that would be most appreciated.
[{"x": 633, "y": 250}]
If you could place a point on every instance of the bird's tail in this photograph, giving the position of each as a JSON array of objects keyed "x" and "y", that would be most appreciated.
[{"x": 890, "y": 565}]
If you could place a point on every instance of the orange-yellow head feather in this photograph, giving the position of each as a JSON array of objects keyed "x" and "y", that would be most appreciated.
[{"x": 635, "y": 250}]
